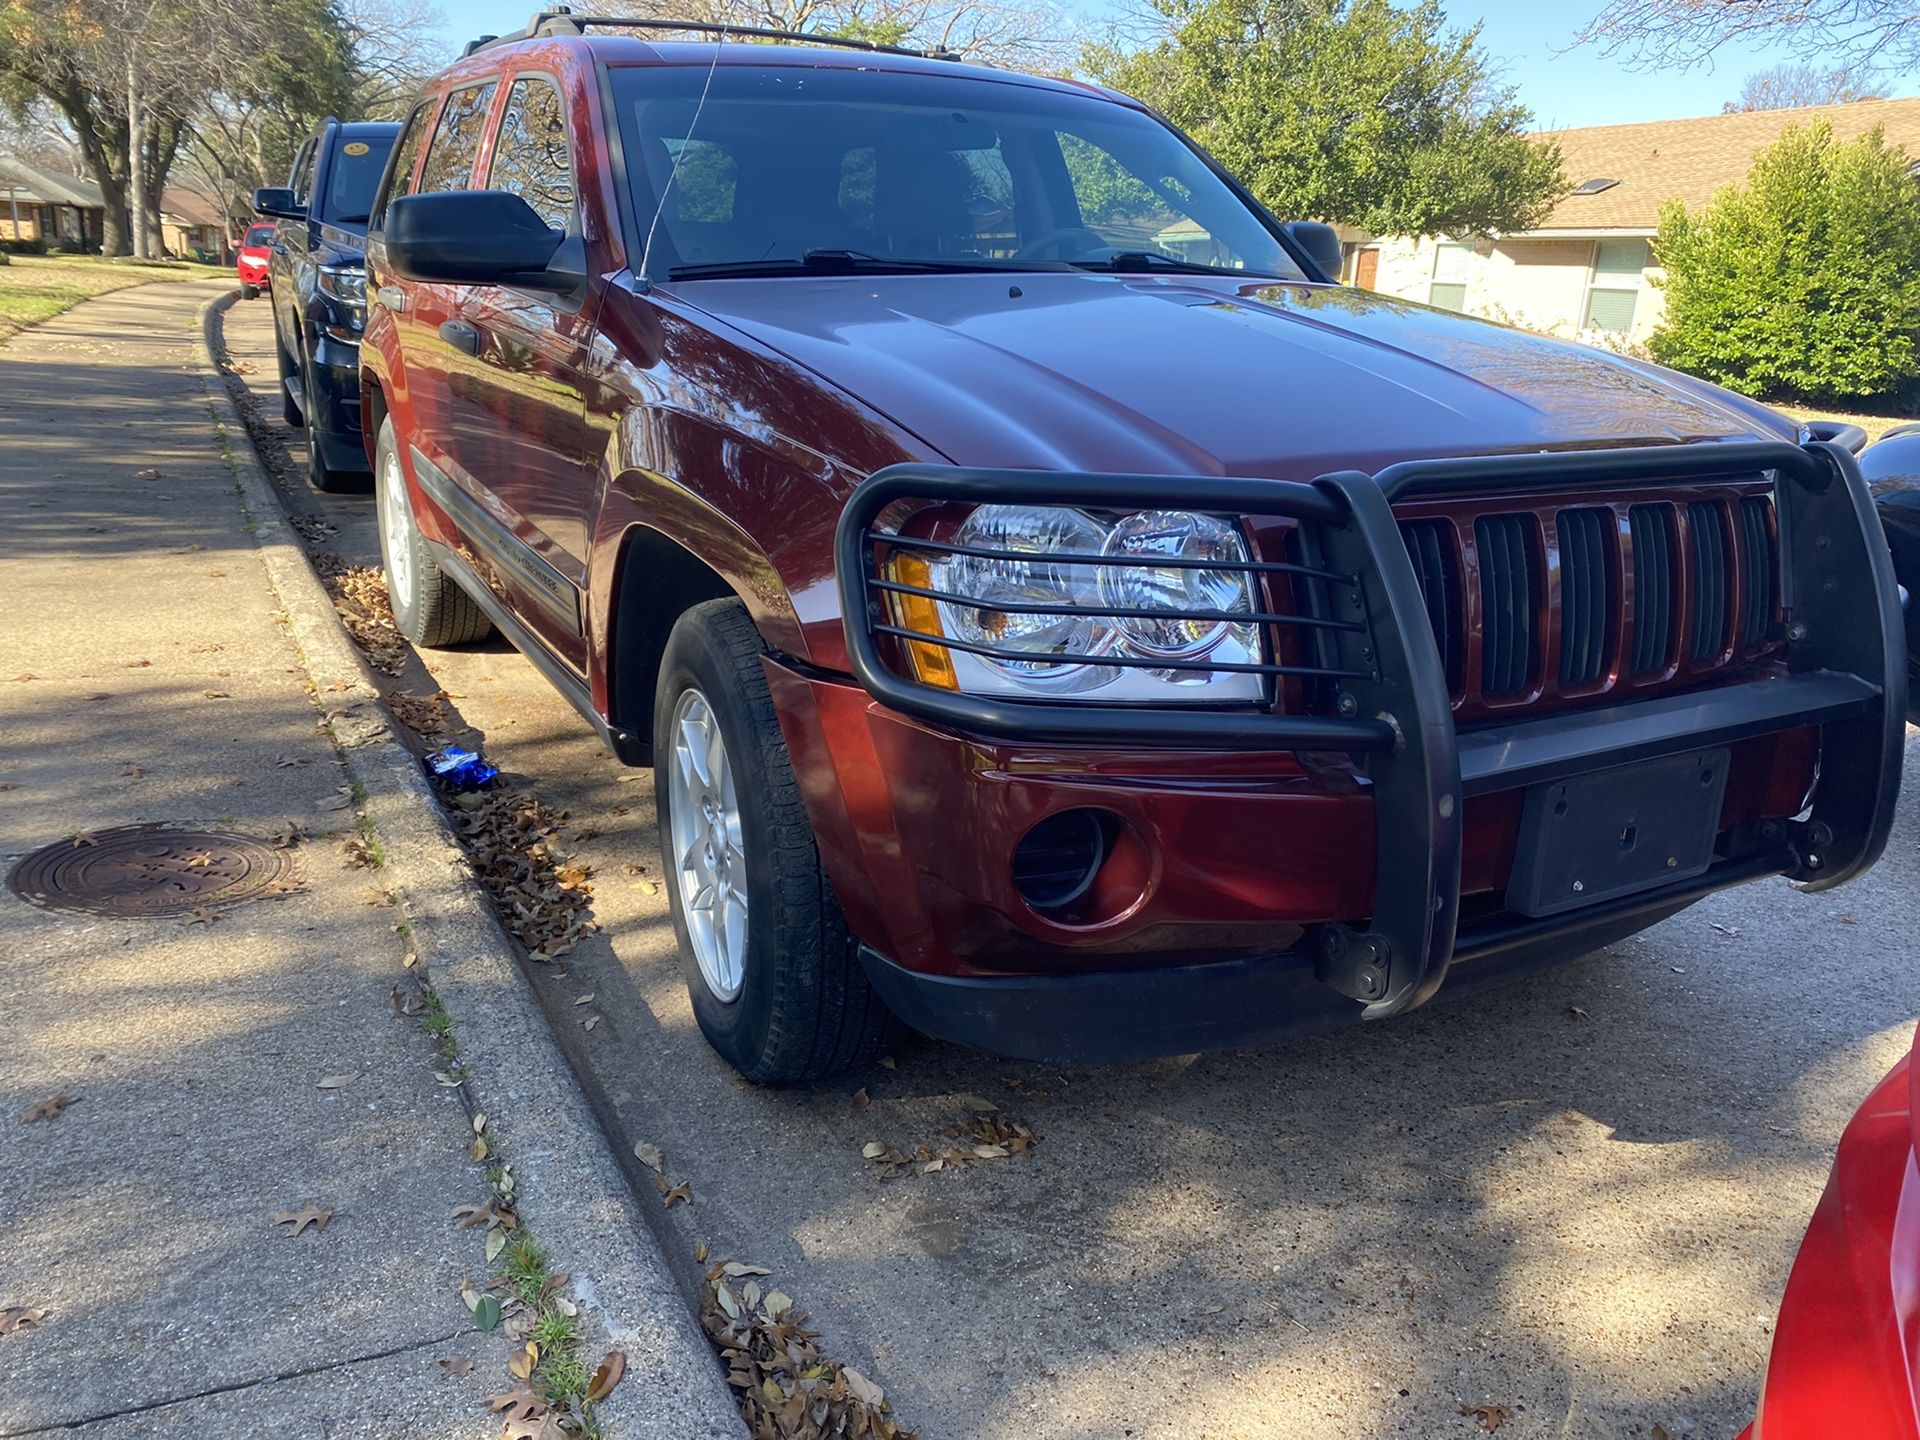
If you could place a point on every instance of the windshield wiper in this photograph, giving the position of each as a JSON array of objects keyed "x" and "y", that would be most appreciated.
[
  {"x": 1140, "y": 262},
  {"x": 843, "y": 262}
]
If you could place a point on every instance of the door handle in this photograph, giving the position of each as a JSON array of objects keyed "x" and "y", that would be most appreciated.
[
  {"x": 461, "y": 335},
  {"x": 393, "y": 297}
]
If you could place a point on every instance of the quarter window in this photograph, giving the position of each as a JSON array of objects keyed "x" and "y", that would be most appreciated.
[
  {"x": 531, "y": 158},
  {"x": 1614, "y": 289},
  {"x": 1451, "y": 266},
  {"x": 456, "y": 141}
]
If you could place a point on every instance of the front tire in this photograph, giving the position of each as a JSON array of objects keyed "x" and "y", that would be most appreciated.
[
  {"x": 773, "y": 973},
  {"x": 249, "y": 292},
  {"x": 283, "y": 362},
  {"x": 429, "y": 607}
]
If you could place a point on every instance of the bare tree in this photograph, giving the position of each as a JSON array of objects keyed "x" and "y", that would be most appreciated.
[
  {"x": 1792, "y": 87},
  {"x": 1020, "y": 34},
  {"x": 1860, "y": 34}
]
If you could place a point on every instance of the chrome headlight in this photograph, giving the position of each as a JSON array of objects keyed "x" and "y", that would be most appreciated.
[
  {"x": 1069, "y": 603},
  {"x": 346, "y": 283}
]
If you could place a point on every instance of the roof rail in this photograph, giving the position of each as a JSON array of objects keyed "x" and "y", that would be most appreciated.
[{"x": 562, "y": 21}]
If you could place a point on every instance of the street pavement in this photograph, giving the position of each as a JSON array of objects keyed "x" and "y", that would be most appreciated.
[
  {"x": 147, "y": 678},
  {"x": 1575, "y": 1198}
]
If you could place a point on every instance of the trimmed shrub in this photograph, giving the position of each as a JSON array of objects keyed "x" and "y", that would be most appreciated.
[
  {"x": 35, "y": 246},
  {"x": 1804, "y": 284}
]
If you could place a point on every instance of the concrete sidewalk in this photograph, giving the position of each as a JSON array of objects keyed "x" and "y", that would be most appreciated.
[{"x": 148, "y": 677}]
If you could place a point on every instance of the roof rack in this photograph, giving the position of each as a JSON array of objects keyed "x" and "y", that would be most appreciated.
[{"x": 562, "y": 21}]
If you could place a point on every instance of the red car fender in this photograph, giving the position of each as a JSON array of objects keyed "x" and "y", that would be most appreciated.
[{"x": 1846, "y": 1352}]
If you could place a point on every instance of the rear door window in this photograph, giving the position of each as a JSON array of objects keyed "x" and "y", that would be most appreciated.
[
  {"x": 531, "y": 157},
  {"x": 456, "y": 140}
]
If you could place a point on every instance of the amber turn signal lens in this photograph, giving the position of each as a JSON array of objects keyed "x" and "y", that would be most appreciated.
[{"x": 932, "y": 664}]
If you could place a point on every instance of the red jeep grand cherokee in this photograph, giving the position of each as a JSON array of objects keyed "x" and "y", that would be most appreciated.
[{"x": 1056, "y": 614}]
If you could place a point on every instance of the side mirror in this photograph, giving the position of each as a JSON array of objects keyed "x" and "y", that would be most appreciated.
[
  {"x": 474, "y": 237},
  {"x": 277, "y": 204},
  {"x": 1320, "y": 243}
]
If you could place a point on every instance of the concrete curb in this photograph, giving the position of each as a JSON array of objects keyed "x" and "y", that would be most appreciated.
[{"x": 569, "y": 1185}]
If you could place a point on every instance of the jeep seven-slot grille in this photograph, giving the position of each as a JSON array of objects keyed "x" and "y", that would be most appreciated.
[
  {"x": 1651, "y": 529},
  {"x": 1437, "y": 568},
  {"x": 1506, "y": 603},
  {"x": 1712, "y": 602},
  {"x": 1640, "y": 590},
  {"x": 1756, "y": 549},
  {"x": 1586, "y": 596}
]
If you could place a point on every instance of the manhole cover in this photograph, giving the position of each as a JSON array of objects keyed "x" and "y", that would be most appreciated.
[{"x": 152, "y": 870}]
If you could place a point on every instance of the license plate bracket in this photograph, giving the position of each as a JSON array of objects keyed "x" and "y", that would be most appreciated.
[{"x": 1610, "y": 833}]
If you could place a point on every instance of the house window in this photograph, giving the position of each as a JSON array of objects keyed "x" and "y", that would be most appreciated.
[
  {"x": 1614, "y": 288},
  {"x": 1449, "y": 288}
]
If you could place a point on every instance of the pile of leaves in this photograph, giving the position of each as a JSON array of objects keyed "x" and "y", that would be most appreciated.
[
  {"x": 986, "y": 1135},
  {"x": 785, "y": 1390},
  {"x": 360, "y": 596},
  {"x": 544, "y": 898},
  {"x": 422, "y": 714}
]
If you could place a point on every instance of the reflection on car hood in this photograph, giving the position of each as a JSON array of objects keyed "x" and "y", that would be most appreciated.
[{"x": 1189, "y": 375}]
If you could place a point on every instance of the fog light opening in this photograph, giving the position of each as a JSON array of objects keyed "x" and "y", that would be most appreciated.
[{"x": 1056, "y": 863}]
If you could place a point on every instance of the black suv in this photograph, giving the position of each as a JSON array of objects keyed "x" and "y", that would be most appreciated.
[{"x": 318, "y": 284}]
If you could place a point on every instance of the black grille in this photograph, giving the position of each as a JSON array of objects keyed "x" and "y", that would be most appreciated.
[
  {"x": 1586, "y": 595},
  {"x": 1711, "y": 593},
  {"x": 1430, "y": 544},
  {"x": 1756, "y": 546},
  {"x": 1506, "y": 603},
  {"x": 1652, "y": 530}
]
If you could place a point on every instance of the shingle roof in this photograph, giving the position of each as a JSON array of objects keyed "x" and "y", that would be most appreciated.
[
  {"x": 190, "y": 206},
  {"x": 1689, "y": 160},
  {"x": 48, "y": 189}
]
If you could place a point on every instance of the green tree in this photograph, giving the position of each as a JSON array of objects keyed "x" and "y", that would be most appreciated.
[
  {"x": 1361, "y": 111},
  {"x": 1806, "y": 282}
]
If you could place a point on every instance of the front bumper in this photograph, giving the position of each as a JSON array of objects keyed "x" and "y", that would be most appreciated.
[
  {"x": 1846, "y": 1351},
  {"x": 1417, "y": 779},
  {"x": 333, "y": 403}
]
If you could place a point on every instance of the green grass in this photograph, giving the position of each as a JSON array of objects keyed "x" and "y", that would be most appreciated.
[{"x": 37, "y": 287}]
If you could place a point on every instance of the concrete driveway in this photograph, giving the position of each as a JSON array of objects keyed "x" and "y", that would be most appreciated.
[{"x": 1575, "y": 1199}]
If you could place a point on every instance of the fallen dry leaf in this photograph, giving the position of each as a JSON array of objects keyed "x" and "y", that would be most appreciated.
[
  {"x": 700, "y": 1253},
  {"x": 48, "y": 1109},
  {"x": 201, "y": 916},
  {"x": 309, "y": 1214},
  {"x": 20, "y": 1317},
  {"x": 861, "y": 1100},
  {"x": 586, "y": 999},
  {"x": 495, "y": 1214},
  {"x": 589, "y": 1022},
  {"x": 520, "y": 1404},
  {"x": 337, "y": 1082},
  {"x": 455, "y": 1365},
  {"x": 1491, "y": 1417},
  {"x": 520, "y": 1364},
  {"x": 651, "y": 1156},
  {"x": 607, "y": 1375},
  {"x": 676, "y": 1194},
  {"x": 547, "y": 1426}
]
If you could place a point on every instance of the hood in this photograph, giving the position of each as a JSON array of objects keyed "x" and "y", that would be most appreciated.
[{"x": 1189, "y": 375}]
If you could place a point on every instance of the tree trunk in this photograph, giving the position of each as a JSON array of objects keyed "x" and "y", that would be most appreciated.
[{"x": 137, "y": 165}]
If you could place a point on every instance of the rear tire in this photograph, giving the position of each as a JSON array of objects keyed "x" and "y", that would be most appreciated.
[
  {"x": 429, "y": 607},
  {"x": 801, "y": 1005}
]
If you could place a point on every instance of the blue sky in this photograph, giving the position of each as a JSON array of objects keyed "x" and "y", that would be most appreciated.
[{"x": 1529, "y": 39}]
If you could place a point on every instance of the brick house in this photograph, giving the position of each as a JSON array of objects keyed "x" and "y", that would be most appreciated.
[
  {"x": 1586, "y": 272},
  {"x": 63, "y": 210}
]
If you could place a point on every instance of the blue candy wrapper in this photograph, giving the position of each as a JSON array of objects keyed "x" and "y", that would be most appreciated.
[{"x": 462, "y": 769}]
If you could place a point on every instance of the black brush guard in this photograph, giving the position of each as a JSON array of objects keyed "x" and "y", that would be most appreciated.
[{"x": 1375, "y": 649}]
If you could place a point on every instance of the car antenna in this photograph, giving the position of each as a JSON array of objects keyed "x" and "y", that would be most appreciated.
[{"x": 673, "y": 171}]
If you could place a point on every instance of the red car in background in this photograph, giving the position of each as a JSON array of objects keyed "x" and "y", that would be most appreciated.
[
  {"x": 1846, "y": 1349},
  {"x": 252, "y": 260}
]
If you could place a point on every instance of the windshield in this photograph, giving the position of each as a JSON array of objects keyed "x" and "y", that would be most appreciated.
[
  {"x": 354, "y": 178},
  {"x": 257, "y": 237},
  {"x": 789, "y": 169}
]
